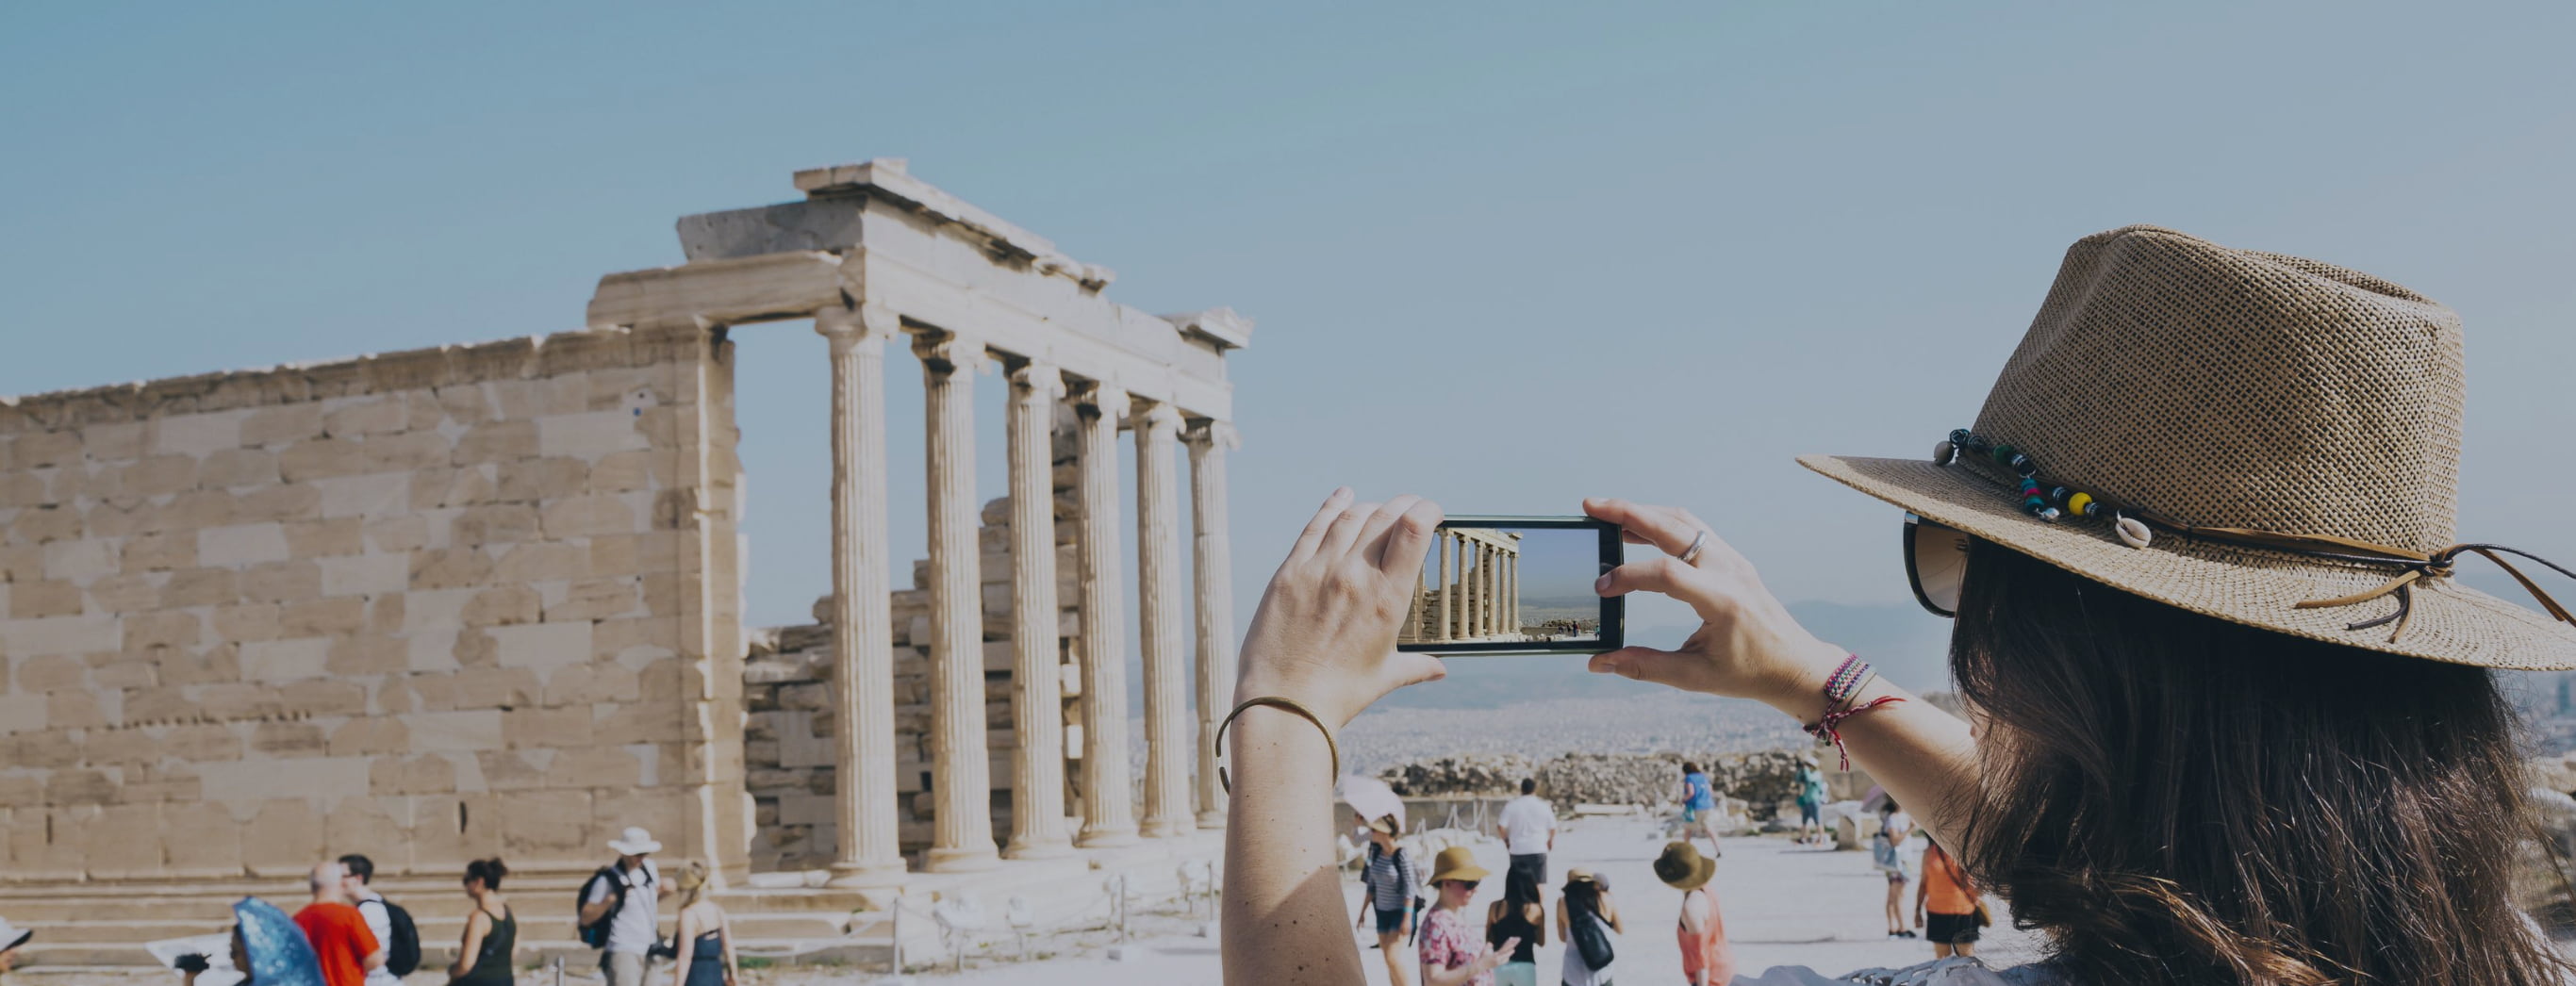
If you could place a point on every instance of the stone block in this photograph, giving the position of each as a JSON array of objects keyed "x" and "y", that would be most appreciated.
[
  {"x": 80, "y": 561},
  {"x": 44, "y": 843},
  {"x": 386, "y": 614},
  {"x": 379, "y": 825},
  {"x": 454, "y": 732},
  {"x": 199, "y": 841},
  {"x": 369, "y": 735},
  {"x": 284, "y": 660},
  {"x": 542, "y": 645},
  {"x": 282, "y": 581},
  {"x": 288, "y": 739},
  {"x": 22, "y": 712},
  {"x": 393, "y": 534},
  {"x": 159, "y": 551},
  {"x": 316, "y": 459},
  {"x": 447, "y": 829},
  {"x": 300, "y": 501},
  {"x": 368, "y": 655},
  {"x": 635, "y": 554},
  {"x": 129, "y": 670},
  {"x": 450, "y": 568},
  {"x": 494, "y": 688},
  {"x": 124, "y": 593},
  {"x": 440, "y": 486},
  {"x": 498, "y": 523},
  {"x": 364, "y": 574},
  {"x": 589, "y": 436},
  {"x": 237, "y": 468},
  {"x": 246, "y": 623},
  {"x": 241, "y": 545},
  {"x": 371, "y": 495},
  {"x": 207, "y": 743},
  {"x": 83, "y": 634},
  {"x": 45, "y": 523},
  {"x": 496, "y": 441},
  {"x": 352, "y": 417},
  {"x": 325, "y": 698},
  {"x": 594, "y": 767},
  {"x": 594, "y": 682},
  {"x": 193, "y": 511},
  {"x": 547, "y": 824},
  {"x": 542, "y": 561},
  {"x": 123, "y": 842},
  {"x": 325, "y": 538},
  {"x": 590, "y": 514},
  {"x": 32, "y": 600},
  {"x": 163, "y": 628},
  {"x": 197, "y": 435},
  {"x": 159, "y": 705},
  {"x": 283, "y": 839},
  {"x": 403, "y": 451},
  {"x": 501, "y": 606},
  {"x": 271, "y": 426},
  {"x": 619, "y": 472},
  {"x": 158, "y": 475},
  {"x": 112, "y": 442},
  {"x": 322, "y": 617},
  {"x": 532, "y": 480},
  {"x": 426, "y": 773},
  {"x": 514, "y": 770},
  {"x": 596, "y": 599},
  {"x": 51, "y": 672},
  {"x": 200, "y": 587},
  {"x": 82, "y": 709},
  {"x": 234, "y": 701},
  {"x": 38, "y": 449}
]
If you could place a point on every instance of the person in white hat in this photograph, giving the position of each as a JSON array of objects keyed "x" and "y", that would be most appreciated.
[
  {"x": 2236, "y": 722},
  {"x": 620, "y": 910}
]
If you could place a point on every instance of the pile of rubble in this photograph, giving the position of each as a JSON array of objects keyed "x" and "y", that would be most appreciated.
[{"x": 1761, "y": 780}]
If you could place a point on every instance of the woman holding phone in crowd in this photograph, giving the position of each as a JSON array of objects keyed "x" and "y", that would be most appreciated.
[{"x": 2234, "y": 721}]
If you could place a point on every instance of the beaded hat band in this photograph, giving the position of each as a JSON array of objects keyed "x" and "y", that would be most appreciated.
[{"x": 2194, "y": 402}]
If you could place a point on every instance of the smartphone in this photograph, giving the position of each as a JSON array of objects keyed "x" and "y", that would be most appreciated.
[{"x": 1516, "y": 585}]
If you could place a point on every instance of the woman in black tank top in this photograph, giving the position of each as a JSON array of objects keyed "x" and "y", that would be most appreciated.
[
  {"x": 491, "y": 931},
  {"x": 1520, "y": 914}
]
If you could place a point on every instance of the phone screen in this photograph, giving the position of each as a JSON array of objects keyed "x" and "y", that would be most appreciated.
[{"x": 1515, "y": 585}]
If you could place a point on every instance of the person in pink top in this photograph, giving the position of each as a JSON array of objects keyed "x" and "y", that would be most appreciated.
[
  {"x": 1451, "y": 954},
  {"x": 1706, "y": 959}
]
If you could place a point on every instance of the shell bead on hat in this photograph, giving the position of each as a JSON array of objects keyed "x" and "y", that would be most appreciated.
[
  {"x": 1945, "y": 453},
  {"x": 2133, "y": 532}
]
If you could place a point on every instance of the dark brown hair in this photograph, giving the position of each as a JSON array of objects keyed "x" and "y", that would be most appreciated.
[
  {"x": 490, "y": 871},
  {"x": 2174, "y": 798}
]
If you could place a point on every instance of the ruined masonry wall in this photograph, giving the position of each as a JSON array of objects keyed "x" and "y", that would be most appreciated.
[{"x": 427, "y": 606}]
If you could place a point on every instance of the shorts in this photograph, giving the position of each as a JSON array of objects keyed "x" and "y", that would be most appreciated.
[
  {"x": 1516, "y": 974},
  {"x": 1895, "y": 877},
  {"x": 1950, "y": 929},
  {"x": 1811, "y": 812},
  {"x": 1389, "y": 922}
]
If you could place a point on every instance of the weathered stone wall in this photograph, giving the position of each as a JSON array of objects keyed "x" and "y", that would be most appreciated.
[
  {"x": 425, "y": 605},
  {"x": 787, "y": 689}
]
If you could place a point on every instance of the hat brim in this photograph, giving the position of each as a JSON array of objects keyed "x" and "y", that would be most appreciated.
[
  {"x": 1705, "y": 867},
  {"x": 2450, "y": 622},
  {"x": 23, "y": 935},
  {"x": 634, "y": 848},
  {"x": 1470, "y": 871}
]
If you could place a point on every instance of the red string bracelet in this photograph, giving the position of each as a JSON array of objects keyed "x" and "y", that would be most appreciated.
[
  {"x": 1824, "y": 728},
  {"x": 1845, "y": 682}
]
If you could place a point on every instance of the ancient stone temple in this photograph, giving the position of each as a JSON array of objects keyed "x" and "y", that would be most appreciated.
[
  {"x": 1469, "y": 591},
  {"x": 486, "y": 599}
]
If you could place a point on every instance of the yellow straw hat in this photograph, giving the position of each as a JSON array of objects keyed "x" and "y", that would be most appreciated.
[{"x": 1457, "y": 863}]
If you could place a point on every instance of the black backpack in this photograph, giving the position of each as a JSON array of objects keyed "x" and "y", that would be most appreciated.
[
  {"x": 595, "y": 934},
  {"x": 402, "y": 954},
  {"x": 1591, "y": 940}
]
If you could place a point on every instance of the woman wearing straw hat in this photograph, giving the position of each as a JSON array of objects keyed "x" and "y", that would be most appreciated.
[
  {"x": 1451, "y": 955},
  {"x": 2236, "y": 721},
  {"x": 1706, "y": 959}
]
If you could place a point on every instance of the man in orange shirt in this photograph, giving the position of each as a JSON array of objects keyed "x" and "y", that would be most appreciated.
[{"x": 341, "y": 942}]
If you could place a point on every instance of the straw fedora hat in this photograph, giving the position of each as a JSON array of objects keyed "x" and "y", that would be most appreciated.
[
  {"x": 1457, "y": 863},
  {"x": 2255, "y": 437},
  {"x": 1682, "y": 867}
]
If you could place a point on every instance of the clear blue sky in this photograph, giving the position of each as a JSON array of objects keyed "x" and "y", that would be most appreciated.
[{"x": 1505, "y": 255}]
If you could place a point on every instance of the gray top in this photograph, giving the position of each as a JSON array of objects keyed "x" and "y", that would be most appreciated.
[{"x": 1965, "y": 971}]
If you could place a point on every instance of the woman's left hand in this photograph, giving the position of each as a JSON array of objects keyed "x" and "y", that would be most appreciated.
[{"x": 1325, "y": 633}]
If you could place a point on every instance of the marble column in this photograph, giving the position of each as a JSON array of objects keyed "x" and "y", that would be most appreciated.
[
  {"x": 1484, "y": 590},
  {"x": 1493, "y": 590},
  {"x": 1466, "y": 589},
  {"x": 962, "y": 783},
  {"x": 1211, "y": 569},
  {"x": 1512, "y": 595},
  {"x": 1448, "y": 593},
  {"x": 1168, "y": 807},
  {"x": 1108, "y": 809},
  {"x": 1037, "y": 687},
  {"x": 862, "y": 625}
]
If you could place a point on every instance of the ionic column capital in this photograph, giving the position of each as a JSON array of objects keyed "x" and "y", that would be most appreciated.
[
  {"x": 1156, "y": 414},
  {"x": 1038, "y": 380},
  {"x": 1100, "y": 398},
  {"x": 948, "y": 352},
  {"x": 845, "y": 327},
  {"x": 1212, "y": 433}
]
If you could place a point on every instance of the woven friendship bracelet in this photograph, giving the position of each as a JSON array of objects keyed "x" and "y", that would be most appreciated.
[
  {"x": 1226, "y": 782},
  {"x": 1845, "y": 682}
]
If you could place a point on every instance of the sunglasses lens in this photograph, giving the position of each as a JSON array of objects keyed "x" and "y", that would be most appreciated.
[{"x": 1936, "y": 562}]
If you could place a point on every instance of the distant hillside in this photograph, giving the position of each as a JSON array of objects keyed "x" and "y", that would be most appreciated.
[{"x": 1907, "y": 644}]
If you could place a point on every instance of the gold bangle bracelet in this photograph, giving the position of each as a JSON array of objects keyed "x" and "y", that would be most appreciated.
[{"x": 1274, "y": 701}]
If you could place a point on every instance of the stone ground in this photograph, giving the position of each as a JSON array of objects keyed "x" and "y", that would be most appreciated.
[{"x": 1784, "y": 904}]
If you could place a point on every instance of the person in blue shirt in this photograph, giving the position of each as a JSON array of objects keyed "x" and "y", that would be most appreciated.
[
  {"x": 1699, "y": 805},
  {"x": 1811, "y": 802}
]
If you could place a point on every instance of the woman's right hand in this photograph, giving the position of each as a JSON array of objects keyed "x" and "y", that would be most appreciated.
[
  {"x": 1747, "y": 644},
  {"x": 1324, "y": 635},
  {"x": 1502, "y": 953}
]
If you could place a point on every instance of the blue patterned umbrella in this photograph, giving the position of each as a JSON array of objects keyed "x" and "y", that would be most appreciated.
[{"x": 279, "y": 955}]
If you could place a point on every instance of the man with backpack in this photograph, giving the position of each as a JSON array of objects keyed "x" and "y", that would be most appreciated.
[
  {"x": 620, "y": 908},
  {"x": 391, "y": 925}
]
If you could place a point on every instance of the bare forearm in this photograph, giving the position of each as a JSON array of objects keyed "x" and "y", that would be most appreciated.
[
  {"x": 1283, "y": 898},
  {"x": 1920, "y": 754}
]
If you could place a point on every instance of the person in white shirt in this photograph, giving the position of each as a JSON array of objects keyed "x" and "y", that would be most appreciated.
[
  {"x": 636, "y": 924},
  {"x": 359, "y": 872},
  {"x": 1528, "y": 827}
]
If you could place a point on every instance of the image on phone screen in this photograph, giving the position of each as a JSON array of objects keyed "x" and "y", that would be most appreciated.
[{"x": 1515, "y": 585}]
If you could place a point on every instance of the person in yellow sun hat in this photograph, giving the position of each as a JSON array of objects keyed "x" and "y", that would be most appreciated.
[{"x": 1452, "y": 955}]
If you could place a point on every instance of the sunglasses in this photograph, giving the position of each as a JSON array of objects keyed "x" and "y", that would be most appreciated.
[{"x": 1936, "y": 564}]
